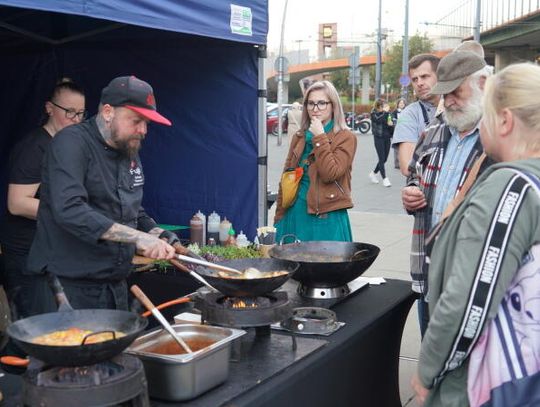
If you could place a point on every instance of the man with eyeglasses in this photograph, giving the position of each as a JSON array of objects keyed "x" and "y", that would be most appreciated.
[
  {"x": 91, "y": 220},
  {"x": 27, "y": 293}
]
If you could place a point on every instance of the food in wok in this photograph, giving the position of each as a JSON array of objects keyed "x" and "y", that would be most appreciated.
[
  {"x": 252, "y": 273},
  {"x": 75, "y": 337}
]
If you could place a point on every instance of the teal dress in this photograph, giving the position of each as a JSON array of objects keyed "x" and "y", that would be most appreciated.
[{"x": 333, "y": 225}]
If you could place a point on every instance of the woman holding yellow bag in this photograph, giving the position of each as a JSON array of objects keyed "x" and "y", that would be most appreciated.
[{"x": 315, "y": 190}]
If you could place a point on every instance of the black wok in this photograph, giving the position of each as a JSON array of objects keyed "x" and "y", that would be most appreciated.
[
  {"x": 327, "y": 264},
  {"x": 25, "y": 330},
  {"x": 236, "y": 287}
]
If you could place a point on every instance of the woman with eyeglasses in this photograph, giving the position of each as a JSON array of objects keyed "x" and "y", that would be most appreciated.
[
  {"x": 65, "y": 106},
  {"x": 324, "y": 147}
]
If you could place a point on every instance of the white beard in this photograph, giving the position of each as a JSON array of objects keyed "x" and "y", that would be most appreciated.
[{"x": 465, "y": 118}]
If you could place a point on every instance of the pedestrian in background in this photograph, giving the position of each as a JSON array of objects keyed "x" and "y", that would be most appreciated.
[
  {"x": 443, "y": 157},
  {"x": 400, "y": 105},
  {"x": 382, "y": 128},
  {"x": 325, "y": 148},
  {"x": 417, "y": 115},
  {"x": 483, "y": 335},
  {"x": 294, "y": 118}
]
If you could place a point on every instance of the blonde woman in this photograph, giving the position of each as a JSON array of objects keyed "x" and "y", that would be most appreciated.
[
  {"x": 324, "y": 147},
  {"x": 475, "y": 261}
]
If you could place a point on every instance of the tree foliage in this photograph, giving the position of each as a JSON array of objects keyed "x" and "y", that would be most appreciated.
[{"x": 391, "y": 70}]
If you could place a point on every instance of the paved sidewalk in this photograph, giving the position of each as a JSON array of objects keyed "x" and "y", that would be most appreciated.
[{"x": 376, "y": 218}]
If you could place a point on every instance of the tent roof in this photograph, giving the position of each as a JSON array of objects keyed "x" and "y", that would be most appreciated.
[{"x": 208, "y": 18}]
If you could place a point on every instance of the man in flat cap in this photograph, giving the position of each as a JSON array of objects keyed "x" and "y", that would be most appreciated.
[
  {"x": 90, "y": 219},
  {"x": 443, "y": 156}
]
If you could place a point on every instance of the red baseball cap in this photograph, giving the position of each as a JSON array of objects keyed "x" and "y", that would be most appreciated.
[{"x": 135, "y": 94}]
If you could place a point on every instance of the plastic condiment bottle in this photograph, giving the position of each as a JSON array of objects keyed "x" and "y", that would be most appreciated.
[
  {"x": 231, "y": 240},
  {"x": 241, "y": 240},
  {"x": 224, "y": 227},
  {"x": 203, "y": 218},
  {"x": 213, "y": 226},
  {"x": 196, "y": 230}
]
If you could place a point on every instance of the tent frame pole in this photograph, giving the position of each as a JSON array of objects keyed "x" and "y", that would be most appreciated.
[{"x": 262, "y": 160}]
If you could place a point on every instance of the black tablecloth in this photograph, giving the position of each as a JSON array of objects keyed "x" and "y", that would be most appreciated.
[{"x": 358, "y": 366}]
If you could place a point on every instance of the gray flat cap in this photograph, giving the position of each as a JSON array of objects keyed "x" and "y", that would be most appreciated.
[{"x": 454, "y": 69}]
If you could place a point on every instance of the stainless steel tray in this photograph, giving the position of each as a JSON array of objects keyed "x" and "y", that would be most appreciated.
[{"x": 185, "y": 376}]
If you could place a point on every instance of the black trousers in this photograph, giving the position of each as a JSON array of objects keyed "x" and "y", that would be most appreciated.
[
  {"x": 382, "y": 147},
  {"x": 28, "y": 294},
  {"x": 84, "y": 294}
]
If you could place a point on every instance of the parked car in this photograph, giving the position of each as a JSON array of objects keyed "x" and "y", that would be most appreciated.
[{"x": 272, "y": 119}]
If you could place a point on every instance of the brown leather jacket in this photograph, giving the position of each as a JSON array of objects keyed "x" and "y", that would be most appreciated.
[{"x": 329, "y": 173}]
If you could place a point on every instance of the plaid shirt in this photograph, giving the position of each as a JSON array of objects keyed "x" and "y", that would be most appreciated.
[{"x": 424, "y": 170}]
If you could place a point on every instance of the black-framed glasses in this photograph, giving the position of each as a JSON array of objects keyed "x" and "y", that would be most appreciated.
[
  {"x": 71, "y": 113},
  {"x": 321, "y": 104}
]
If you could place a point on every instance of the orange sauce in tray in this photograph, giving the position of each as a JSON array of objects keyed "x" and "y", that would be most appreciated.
[{"x": 173, "y": 348}]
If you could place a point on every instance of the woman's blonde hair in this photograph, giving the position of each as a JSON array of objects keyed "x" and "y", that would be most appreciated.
[
  {"x": 337, "y": 110},
  {"x": 517, "y": 88}
]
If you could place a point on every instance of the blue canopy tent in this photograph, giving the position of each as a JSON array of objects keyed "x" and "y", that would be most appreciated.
[{"x": 203, "y": 59}]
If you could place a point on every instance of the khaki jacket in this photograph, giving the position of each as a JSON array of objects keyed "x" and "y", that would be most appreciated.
[{"x": 329, "y": 173}]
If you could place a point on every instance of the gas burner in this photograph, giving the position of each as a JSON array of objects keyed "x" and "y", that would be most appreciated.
[
  {"x": 334, "y": 293},
  {"x": 323, "y": 293},
  {"x": 115, "y": 381},
  {"x": 312, "y": 320},
  {"x": 243, "y": 312}
]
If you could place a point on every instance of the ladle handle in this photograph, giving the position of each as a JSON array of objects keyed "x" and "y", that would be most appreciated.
[{"x": 137, "y": 292}]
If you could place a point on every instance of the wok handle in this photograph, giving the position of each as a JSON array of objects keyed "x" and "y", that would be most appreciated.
[
  {"x": 59, "y": 294},
  {"x": 14, "y": 361},
  {"x": 296, "y": 240}
]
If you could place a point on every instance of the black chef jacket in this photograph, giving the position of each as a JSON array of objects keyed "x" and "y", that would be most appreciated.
[{"x": 86, "y": 187}]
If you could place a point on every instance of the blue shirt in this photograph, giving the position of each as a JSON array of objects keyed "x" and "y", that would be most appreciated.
[
  {"x": 455, "y": 157},
  {"x": 411, "y": 122}
]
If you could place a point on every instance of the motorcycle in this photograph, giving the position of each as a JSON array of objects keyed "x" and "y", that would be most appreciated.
[{"x": 361, "y": 122}]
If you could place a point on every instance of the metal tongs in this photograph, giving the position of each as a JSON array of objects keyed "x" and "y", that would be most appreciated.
[{"x": 205, "y": 263}]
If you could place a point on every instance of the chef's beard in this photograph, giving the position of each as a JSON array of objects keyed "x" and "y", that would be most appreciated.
[
  {"x": 123, "y": 144},
  {"x": 466, "y": 117}
]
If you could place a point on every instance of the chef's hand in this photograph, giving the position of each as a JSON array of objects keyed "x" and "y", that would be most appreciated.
[
  {"x": 419, "y": 389},
  {"x": 413, "y": 198},
  {"x": 169, "y": 237},
  {"x": 316, "y": 127},
  {"x": 154, "y": 247}
]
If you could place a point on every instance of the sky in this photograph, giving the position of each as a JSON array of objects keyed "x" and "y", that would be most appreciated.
[{"x": 356, "y": 19}]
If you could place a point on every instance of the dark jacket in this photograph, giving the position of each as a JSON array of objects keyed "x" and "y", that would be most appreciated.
[{"x": 86, "y": 187}]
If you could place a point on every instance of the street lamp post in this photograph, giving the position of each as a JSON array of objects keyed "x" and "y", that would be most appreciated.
[
  {"x": 281, "y": 73},
  {"x": 379, "y": 56},
  {"x": 477, "y": 21},
  {"x": 405, "y": 59}
]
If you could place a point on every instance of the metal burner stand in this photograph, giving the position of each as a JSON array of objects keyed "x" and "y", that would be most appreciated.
[
  {"x": 321, "y": 293},
  {"x": 214, "y": 313},
  {"x": 128, "y": 387}
]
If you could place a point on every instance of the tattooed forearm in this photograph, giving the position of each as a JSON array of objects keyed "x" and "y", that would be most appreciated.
[
  {"x": 121, "y": 233},
  {"x": 155, "y": 231}
]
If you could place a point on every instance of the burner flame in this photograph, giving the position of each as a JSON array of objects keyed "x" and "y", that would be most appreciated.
[{"x": 243, "y": 304}]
